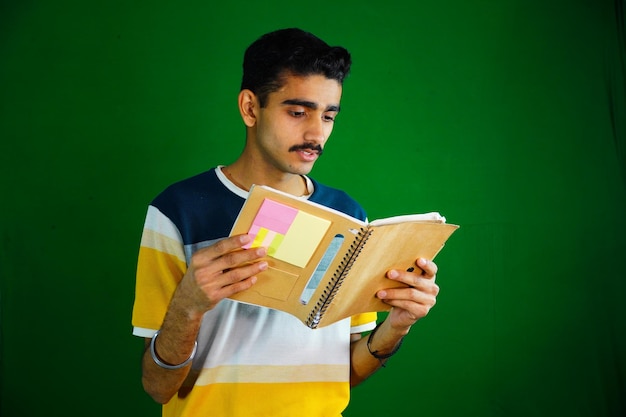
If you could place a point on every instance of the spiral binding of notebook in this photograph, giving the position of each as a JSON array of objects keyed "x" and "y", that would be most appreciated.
[{"x": 335, "y": 283}]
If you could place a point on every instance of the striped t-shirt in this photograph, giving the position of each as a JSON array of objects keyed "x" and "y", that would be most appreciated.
[{"x": 251, "y": 361}]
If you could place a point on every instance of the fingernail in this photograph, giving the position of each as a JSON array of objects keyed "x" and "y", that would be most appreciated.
[
  {"x": 263, "y": 266},
  {"x": 382, "y": 294},
  {"x": 421, "y": 262},
  {"x": 261, "y": 251},
  {"x": 393, "y": 274}
]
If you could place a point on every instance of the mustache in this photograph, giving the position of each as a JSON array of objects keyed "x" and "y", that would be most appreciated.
[{"x": 307, "y": 146}]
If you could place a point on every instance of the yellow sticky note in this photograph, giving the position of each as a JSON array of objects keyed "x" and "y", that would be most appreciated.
[
  {"x": 260, "y": 236},
  {"x": 303, "y": 237},
  {"x": 275, "y": 244}
]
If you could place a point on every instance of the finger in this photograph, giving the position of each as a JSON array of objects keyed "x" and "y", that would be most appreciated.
[
  {"x": 227, "y": 253},
  {"x": 423, "y": 291},
  {"x": 412, "y": 279},
  {"x": 241, "y": 273},
  {"x": 417, "y": 304},
  {"x": 413, "y": 311},
  {"x": 218, "y": 284},
  {"x": 240, "y": 257},
  {"x": 239, "y": 279},
  {"x": 428, "y": 267},
  {"x": 229, "y": 244},
  {"x": 216, "y": 271}
]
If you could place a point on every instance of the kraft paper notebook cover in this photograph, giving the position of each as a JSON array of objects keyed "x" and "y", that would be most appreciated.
[{"x": 325, "y": 265}]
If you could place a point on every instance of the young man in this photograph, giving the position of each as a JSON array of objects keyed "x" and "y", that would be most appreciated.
[{"x": 209, "y": 355}]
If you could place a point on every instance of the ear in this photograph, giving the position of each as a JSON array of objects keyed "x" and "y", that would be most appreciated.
[{"x": 248, "y": 104}]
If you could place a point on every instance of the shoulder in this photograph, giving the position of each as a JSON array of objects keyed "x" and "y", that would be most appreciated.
[
  {"x": 197, "y": 184},
  {"x": 199, "y": 203},
  {"x": 337, "y": 199},
  {"x": 201, "y": 189},
  {"x": 198, "y": 195}
]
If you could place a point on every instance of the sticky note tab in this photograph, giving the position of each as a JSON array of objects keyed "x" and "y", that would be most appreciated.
[
  {"x": 289, "y": 234},
  {"x": 275, "y": 216},
  {"x": 303, "y": 237},
  {"x": 273, "y": 219}
]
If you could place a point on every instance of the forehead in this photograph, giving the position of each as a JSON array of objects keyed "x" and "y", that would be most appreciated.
[{"x": 314, "y": 88}]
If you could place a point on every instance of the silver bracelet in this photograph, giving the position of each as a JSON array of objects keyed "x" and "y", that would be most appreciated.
[{"x": 164, "y": 365}]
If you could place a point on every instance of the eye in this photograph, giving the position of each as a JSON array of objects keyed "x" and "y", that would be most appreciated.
[
  {"x": 329, "y": 117},
  {"x": 296, "y": 113}
]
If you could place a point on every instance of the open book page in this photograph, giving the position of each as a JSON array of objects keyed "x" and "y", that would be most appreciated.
[
  {"x": 390, "y": 246},
  {"x": 310, "y": 246},
  {"x": 263, "y": 191},
  {"x": 425, "y": 217},
  {"x": 298, "y": 234}
]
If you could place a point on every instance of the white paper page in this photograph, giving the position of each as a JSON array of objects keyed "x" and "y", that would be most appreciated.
[{"x": 433, "y": 217}]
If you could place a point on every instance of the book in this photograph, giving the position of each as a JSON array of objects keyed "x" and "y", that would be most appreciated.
[{"x": 325, "y": 265}]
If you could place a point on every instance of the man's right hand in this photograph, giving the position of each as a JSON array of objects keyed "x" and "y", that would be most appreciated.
[{"x": 222, "y": 270}]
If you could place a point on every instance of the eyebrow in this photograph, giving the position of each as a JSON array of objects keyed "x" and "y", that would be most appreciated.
[{"x": 310, "y": 104}]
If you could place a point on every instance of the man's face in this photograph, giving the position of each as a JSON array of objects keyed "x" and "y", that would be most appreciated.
[{"x": 294, "y": 126}]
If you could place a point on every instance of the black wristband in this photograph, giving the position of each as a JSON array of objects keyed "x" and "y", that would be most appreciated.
[{"x": 375, "y": 353}]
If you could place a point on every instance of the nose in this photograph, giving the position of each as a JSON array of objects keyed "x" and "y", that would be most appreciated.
[{"x": 317, "y": 130}]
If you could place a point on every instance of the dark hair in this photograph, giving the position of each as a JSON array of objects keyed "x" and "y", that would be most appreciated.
[{"x": 290, "y": 51}]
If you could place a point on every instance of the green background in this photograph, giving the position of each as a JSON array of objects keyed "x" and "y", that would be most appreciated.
[{"x": 508, "y": 117}]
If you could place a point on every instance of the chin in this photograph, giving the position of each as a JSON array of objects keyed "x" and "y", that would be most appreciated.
[{"x": 302, "y": 169}]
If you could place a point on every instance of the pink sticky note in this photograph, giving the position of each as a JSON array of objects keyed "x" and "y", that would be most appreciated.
[{"x": 275, "y": 216}]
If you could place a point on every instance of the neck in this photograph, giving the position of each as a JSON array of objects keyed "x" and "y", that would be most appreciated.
[{"x": 289, "y": 183}]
